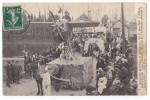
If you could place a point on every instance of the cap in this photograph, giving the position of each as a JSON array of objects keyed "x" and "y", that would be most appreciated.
[
  {"x": 17, "y": 61},
  {"x": 8, "y": 61}
]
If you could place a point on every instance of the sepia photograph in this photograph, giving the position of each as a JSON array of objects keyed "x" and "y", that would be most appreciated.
[{"x": 74, "y": 49}]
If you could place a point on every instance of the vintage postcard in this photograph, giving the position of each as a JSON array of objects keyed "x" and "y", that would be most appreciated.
[{"x": 74, "y": 49}]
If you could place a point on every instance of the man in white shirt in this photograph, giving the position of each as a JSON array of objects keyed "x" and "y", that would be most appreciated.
[{"x": 46, "y": 82}]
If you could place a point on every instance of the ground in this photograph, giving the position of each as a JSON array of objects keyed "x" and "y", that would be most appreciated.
[{"x": 27, "y": 87}]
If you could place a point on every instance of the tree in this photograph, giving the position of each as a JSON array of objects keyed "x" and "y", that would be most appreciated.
[
  {"x": 104, "y": 20},
  {"x": 34, "y": 18},
  {"x": 49, "y": 19},
  {"x": 31, "y": 17}
]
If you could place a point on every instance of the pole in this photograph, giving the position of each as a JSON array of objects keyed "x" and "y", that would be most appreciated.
[
  {"x": 123, "y": 31},
  {"x": 88, "y": 10},
  {"x": 62, "y": 12}
]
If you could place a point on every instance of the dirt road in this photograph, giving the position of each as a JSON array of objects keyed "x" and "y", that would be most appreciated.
[{"x": 28, "y": 88}]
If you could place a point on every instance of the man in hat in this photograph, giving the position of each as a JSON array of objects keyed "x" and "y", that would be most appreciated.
[
  {"x": 123, "y": 74},
  {"x": 8, "y": 73},
  {"x": 113, "y": 52},
  {"x": 67, "y": 16},
  {"x": 17, "y": 72},
  {"x": 130, "y": 65},
  {"x": 116, "y": 84},
  {"x": 46, "y": 82},
  {"x": 89, "y": 52},
  {"x": 107, "y": 47},
  {"x": 108, "y": 37},
  {"x": 128, "y": 51},
  {"x": 101, "y": 63},
  {"x": 13, "y": 67}
]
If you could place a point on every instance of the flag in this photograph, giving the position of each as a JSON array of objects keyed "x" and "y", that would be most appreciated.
[{"x": 60, "y": 9}]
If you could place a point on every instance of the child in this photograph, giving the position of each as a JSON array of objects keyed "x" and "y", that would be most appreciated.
[
  {"x": 102, "y": 84},
  {"x": 101, "y": 81}
]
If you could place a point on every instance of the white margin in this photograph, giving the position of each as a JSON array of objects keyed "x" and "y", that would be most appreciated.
[{"x": 78, "y": 97}]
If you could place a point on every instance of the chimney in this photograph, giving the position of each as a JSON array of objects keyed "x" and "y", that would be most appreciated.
[{"x": 89, "y": 14}]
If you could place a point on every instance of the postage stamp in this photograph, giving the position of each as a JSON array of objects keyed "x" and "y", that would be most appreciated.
[{"x": 12, "y": 18}]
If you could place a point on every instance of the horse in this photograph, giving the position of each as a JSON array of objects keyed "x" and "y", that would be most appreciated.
[
  {"x": 37, "y": 70},
  {"x": 39, "y": 81},
  {"x": 36, "y": 75}
]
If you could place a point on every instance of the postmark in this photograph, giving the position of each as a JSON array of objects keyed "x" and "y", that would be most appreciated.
[{"x": 12, "y": 18}]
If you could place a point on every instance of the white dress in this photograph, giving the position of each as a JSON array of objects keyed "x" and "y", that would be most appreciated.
[
  {"x": 46, "y": 82},
  {"x": 102, "y": 84}
]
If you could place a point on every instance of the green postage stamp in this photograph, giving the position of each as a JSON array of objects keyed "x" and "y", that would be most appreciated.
[{"x": 12, "y": 18}]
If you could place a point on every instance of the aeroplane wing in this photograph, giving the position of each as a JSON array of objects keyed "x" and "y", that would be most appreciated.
[
  {"x": 42, "y": 22},
  {"x": 83, "y": 24},
  {"x": 74, "y": 23}
]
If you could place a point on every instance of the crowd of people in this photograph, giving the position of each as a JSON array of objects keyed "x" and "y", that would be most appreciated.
[
  {"x": 13, "y": 72},
  {"x": 114, "y": 70}
]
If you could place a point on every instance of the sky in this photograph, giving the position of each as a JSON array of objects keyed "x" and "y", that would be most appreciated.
[{"x": 76, "y": 9}]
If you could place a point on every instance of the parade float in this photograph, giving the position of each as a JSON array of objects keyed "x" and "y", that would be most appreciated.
[{"x": 70, "y": 70}]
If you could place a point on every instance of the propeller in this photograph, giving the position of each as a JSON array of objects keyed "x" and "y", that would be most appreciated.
[{"x": 56, "y": 26}]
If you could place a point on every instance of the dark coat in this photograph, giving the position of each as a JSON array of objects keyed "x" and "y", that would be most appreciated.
[
  {"x": 124, "y": 75},
  {"x": 101, "y": 64},
  {"x": 17, "y": 69},
  {"x": 8, "y": 70}
]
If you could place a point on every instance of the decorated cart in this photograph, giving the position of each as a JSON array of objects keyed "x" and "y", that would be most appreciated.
[{"x": 76, "y": 74}]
